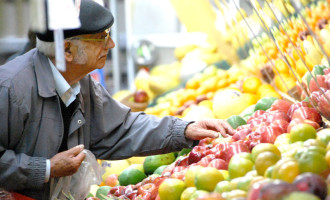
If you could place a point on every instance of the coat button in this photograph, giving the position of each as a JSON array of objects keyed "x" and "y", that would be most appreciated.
[{"x": 79, "y": 121}]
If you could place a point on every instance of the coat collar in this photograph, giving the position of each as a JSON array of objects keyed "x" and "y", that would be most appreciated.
[{"x": 44, "y": 74}]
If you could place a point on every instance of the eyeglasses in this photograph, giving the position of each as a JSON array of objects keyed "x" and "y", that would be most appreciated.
[{"x": 105, "y": 40}]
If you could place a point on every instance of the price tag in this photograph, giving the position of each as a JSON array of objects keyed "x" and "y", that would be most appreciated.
[
  {"x": 62, "y": 14},
  {"x": 37, "y": 16}
]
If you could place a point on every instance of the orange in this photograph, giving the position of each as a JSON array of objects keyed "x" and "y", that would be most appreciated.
[
  {"x": 281, "y": 67},
  {"x": 171, "y": 189},
  {"x": 264, "y": 88},
  {"x": 250, "y": 98},
  {"x": 206, "y": 103},
  {"x": 302, "y": 132},
  {"x": 251, "y": 84},
  {"x": 207, "y": 178}
]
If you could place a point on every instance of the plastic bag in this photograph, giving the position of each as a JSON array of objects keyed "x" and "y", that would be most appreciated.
[{"x": 78, "y": 185}]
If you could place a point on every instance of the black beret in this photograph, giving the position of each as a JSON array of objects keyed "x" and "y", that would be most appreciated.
[{"x": 94, "y": 18}]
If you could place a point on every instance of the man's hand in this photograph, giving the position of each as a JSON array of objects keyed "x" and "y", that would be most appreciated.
[
  {"x": 67, "y": 162},
  {"x": 208, "y": 128}
]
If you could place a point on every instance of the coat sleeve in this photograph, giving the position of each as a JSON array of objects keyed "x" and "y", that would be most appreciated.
[
  {"x": 125, "y": 134},
  {"x": 18, "y": 170}
]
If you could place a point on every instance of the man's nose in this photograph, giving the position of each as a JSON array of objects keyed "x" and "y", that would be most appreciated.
[{"x": 110, "y": 43}]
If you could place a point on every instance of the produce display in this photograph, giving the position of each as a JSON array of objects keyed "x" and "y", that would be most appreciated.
[{"x": 278, "y": 101}]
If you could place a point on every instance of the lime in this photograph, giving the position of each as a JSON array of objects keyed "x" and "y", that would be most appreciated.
[
  {"x": 207, "y": 178},
  {"x": 160, "y": 169},
  {"x": 186, "y": 194},
  {"x": 302, "y": 132},
  {"x": 262, "y": 147},
  {"x": 235, "y": 121},
  {"x": 265, "y": 160},
  {"x": 151, "y": 163},
  {"x": 131, "y": 176},
  {"x": 239, "y": 166},
  {"x": 265, "y": 103},
  {"x": 102, "y": 192},
  {"x": 310, "y": 161},
  {"x": 190, "y": 175},
  {"x": 171, "y": 189}
]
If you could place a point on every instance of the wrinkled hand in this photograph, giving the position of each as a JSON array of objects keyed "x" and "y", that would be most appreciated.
[
  {"x": 208, "y": 128},
  {"x": 67, "y": 162},
  {"x": 135, "y": 107}
]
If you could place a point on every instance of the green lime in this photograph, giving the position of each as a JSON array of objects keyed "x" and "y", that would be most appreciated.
[
  {"x": 151, "y": 163},
  {"x": 235, "y": 121},
  {"x": 102, "y": 192},
  {"x": 131, "y": 176},
  {"x": 265, "y": 103},
  {"x": 160, "y": 169},
  {"x": 302, "y": 132}
]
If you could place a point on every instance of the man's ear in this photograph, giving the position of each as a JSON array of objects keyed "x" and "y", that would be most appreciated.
[{"x": 68, "y": 51}]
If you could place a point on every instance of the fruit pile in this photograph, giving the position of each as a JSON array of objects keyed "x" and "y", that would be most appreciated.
[{"x": 277, "y": 147}]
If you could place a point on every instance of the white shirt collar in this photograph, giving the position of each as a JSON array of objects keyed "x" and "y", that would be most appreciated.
[{"x": 64, "y": 90}]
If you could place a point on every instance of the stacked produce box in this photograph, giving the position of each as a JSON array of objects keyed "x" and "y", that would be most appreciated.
[{"x": 278, "y": 101}]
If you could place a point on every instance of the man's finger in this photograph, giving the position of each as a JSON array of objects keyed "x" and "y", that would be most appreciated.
[
  {"x": 80, "y": 157},
  {"x": 208, "y": 133},
  {"x": 227, "y": 126},
  {"x": 76, "y": 150}
]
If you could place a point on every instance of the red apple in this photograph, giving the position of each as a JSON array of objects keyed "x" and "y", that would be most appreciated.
[
  {"x": 117, "y": 191},
  {"x": 196, "y": 154},
  {"x": 269, "y": 134},
  {"x": 241, "y": 134},
  {"x": 295, "y": 106},
  {"x": 275, "y": 115},
  {"x": 307, "y": 113},
  {"x": 282, "y": 124},
  {"x": 326, "y": 71},
  {"x": 255, "y": 115},
  {"x": 206, "y": 141},
  {"x": 183, "y": 161},
  {"x": 148, "y": 190},
  {"x": 141, "y": 96},
  {"x": 324, "y": 105},
  {"x": 218, "y": 164},
  {"x": 313, "y": 86},
  {"x": 281, "y": 105},
  {"x": 206, "y": 160}
]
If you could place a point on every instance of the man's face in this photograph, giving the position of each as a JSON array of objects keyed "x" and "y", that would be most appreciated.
[{"x": 93, "y": 53}]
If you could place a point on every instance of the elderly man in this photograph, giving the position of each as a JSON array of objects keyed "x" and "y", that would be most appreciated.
[{"x": 48, "y": 117}]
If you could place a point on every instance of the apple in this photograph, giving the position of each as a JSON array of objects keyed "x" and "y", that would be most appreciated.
[
  {"x": 326, "y": 71},
  {"x": 275, "y": 190},
  {"x": 315, "y": 97},
  {"x": 255, "y": 115},
  {"x": 196, "y": 154},
  {"x": 295, "y": 106},
  {"x": 183, "y": 161},
  {"x": 307, "y": 113},
  {"x": 117, "y": 191},
  {"x": 323, "y": 104},
  {"x": 313, "y": 183},
  {"x": 281, "y": 124},
  {"x": 218, "y": 164},
  {"x": 275, "y": 115},
  {"x": 281, "y": 105},
  {"x": 140, "y": 96},
  {"x": 204, "y": 162},
  {"x": 313, "y": 86},
  {"x": 269, "y": 134},
  {"x": 241, "y": 134}
]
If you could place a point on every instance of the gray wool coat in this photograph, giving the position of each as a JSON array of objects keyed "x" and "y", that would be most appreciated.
[{"x": 31, "y": 125}]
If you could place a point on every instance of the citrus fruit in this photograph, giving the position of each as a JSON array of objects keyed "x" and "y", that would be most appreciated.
[
  {"x": 186, "y": 194},
  {"x": 302, "y": 132},
  {"x": 151, "y": 163},
  {"x": 198, "y": 194},
  {"x": 131, "y": 176},
  {"x": 113, "y": 167},
  {"x": 310, "y": 161},
  {"x": 251, "y": 84},
  {"x": 235, "y": 121},
  {"x": 102, "y": 192},
  {"x": 223, "y": 186},
  {"x": 324, "y": 136},
  {"x": 171, "y": 189},
  {"x": 265, "y": 103},
  {"x": 239, "y": 166},
  {"x": 263, "y": 147},
  {"x": 190, "y": 175},
  {"x": 265, "y": 160},
  {"x": 160, "y": 169},
  {"x": 207, "y": 178}
]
